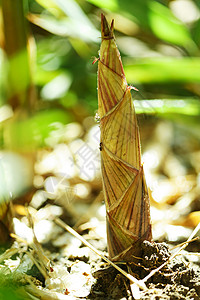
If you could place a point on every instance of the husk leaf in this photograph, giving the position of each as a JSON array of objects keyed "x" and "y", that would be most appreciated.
[{"x": 125, "y": 191}]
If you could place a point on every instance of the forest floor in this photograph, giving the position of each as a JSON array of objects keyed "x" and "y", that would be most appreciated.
[{"x": 45, "y": 261}]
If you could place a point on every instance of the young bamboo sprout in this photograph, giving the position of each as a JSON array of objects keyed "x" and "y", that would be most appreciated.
[{"x": 125, "y": 191}]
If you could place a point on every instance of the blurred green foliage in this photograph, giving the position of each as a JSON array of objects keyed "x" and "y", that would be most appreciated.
[{"x": 158, "y": 41}]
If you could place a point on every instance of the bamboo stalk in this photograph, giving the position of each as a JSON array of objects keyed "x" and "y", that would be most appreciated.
[
  {"x": 125, "y": 190},
  {"x": 17, "y": 49},
  {"x": 20, "y": 95}
]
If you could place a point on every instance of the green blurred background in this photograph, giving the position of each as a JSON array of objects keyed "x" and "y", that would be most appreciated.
[
  {"x": 46, "y": 54},
  {"x": 47, "y": 78}
]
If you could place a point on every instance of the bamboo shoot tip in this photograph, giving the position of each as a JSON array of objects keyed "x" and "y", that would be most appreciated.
[{"x": 106, "y": 30}]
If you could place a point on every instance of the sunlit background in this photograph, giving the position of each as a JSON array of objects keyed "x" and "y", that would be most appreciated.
[{"x": 49, "y": 134}]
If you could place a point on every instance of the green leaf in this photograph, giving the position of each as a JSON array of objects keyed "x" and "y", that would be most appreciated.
[
  {"x": 167, "y": 27},
  {"x": 152, "y": 16},
  {"x": 189, "y": 107},
  {"x": 51, "y": 6},
  {"x": 66, "y": 27},
  {"x": 165, "y": 69},
  {"x": 74, "y": 22},
  {"x": 106, "y": 4}
]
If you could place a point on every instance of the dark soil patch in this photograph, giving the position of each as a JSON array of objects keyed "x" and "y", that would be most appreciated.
[{"x": 179, "y": 279}]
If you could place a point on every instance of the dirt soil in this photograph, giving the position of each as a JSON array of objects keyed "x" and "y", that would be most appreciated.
[
  {"x": 81, "y": 274},
  {"x": 179, "y": 279}
]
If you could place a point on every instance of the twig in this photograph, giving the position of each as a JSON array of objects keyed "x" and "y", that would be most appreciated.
[
  {"x": 19, "y": 239},
  {"x": 186, "y": 242},
  {"x": 197, "y": 228},
  {"x": 38, "y": 265},
  {"x": 42, "y": 259},
  {"x": 193, "y": 253},
  {"x": 8, "y": 253},
  {"x": 139, "y": 283},
  {"x": 45, "y": 294}
]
